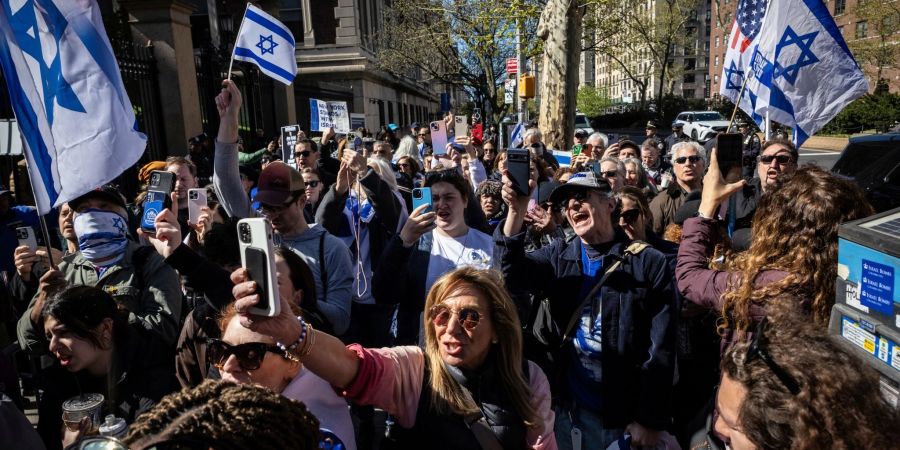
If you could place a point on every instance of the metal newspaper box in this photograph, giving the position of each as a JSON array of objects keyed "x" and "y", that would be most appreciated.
[{"x": 866, "y": 315}]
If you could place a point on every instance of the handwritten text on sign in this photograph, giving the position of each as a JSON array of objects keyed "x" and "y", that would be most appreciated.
[{"x": 324, "y": 115}]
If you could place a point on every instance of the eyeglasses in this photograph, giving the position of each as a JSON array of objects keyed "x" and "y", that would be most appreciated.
[
  {"x": 250, "y": 355},
  {"x": 781, "y": 158},
  {"x": 609, "y": 174},
  {"x": 756, "y": 349},
  {"x": 682, "y": 159},
  {"x": 312, "y": 184},
  {"x": 468, "y": 317},
  {"x": 302, "y": 154},
  {"x": 580, "y": 195},
  {"x": 630, "y": 216}
]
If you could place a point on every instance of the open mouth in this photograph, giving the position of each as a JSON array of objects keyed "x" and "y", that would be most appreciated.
[
  {"x": 64, "y": 360},
  {"x": 453, "y": 348},
  {"x": 580, "y": 217},
  {"x": 443, "y": 214}
]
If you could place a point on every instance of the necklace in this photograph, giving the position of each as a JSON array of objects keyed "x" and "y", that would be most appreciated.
[{"x": 461, "y": 253}]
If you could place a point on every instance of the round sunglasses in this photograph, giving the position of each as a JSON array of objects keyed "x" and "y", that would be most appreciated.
[
  {"x": 468, "y": 317},
  {"x": 249, "y": 355}
]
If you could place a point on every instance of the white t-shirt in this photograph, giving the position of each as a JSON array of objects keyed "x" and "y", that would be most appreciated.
[{"x": 474, "y": 249}]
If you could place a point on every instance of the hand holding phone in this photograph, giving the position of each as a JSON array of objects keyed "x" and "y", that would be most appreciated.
[
  {"x": 460, "y": 126},
  {"x": 729, "y": 152},
  {"x": 422, "y": 196},
  {"x": 255, "y": 238},
  {"x": 158, "y": 198},
  {"x": 421, "y": 220},
  {"x": 576, "y": 150},
  {"x": 518, "y": 166},
  {"x": 196, "y": 202},
  {"x": 26, "y": 237}
]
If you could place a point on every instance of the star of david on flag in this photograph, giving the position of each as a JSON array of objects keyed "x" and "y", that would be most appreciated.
[
  {"x": 802, "y": 72},
  {"x": 748, "y": 20},
  {"x": 64, "y": 84},
  {"x": 266, "y": 42}
]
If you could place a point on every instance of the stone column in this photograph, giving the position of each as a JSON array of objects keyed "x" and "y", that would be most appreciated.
[{"x": 167, "y": 24}]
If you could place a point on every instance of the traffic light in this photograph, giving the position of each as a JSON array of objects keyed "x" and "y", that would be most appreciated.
[{"x": 526, "y": 86}]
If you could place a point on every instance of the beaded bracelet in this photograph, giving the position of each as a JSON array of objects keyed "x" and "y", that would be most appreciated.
[
  {"x": 290, "y": 350},
  {"x": 308, "y": 343}
]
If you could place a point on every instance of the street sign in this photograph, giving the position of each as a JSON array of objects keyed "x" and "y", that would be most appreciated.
[
  {"x": 512, "y": 66},
  {"x": 509, "y": 91}
]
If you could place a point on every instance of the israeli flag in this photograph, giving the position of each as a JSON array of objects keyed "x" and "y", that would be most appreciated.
[
  {"x": 518, "y": 133},
  {"x": 64, "y": 84},
  {"x": 266, "y": 42},
  {"x": 801, "y": 70}
]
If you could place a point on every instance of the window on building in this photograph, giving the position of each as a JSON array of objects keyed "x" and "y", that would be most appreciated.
[
  {"x": 688, "y": 93},
  {"x": 717, "y": 42},
  {"x": 716, "y": 63},
  {"x": 323, "y": 20},
  {"x": 291, "y": 16},
  {"x": 717, "y": 79},
  {"x": 839, "y": 6},
  {"x": 689, "y": 78},
  {"x": 390, "y": 112},
  {"x": 862, "y": 29}
]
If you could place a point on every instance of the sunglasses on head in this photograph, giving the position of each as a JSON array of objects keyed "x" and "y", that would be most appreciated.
[
  {"x": 302, "y": 154},
  {"x": 250, "y": 355},
  {"x": 630, "y": 216},
  {"x": 781, "y": 158},
  {"x": 757, "y": 349},
  {"x": 692, "y": 159},
  {"x": 468, "y": 317},
  {"x": 312, "y": 183}
]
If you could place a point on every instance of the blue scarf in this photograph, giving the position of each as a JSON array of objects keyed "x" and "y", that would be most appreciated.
[{"x": 101, "y": 234}]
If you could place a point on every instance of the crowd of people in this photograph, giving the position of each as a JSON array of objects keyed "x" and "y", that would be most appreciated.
[{"x": 613, "y": 301}]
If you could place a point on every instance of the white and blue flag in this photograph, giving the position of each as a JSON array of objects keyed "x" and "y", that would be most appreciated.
[
  {"x": 801, "y": 71},
  {"x": 517, "y": 135},
  {"x": 266, "y": 42},
  {"x": 64, "y": 84}
]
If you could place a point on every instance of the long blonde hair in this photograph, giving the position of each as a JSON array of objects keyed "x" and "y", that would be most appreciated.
[{"x": 447, "y": 395}]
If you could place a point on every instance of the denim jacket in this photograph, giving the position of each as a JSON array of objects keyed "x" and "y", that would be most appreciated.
[{"x": 638, "y": 319}]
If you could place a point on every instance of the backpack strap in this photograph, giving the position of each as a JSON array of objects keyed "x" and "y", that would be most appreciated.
[
  {"x": 323, "y": 274},
  {"x": 634, "y": 248}
]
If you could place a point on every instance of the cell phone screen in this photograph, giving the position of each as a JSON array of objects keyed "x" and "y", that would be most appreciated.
[
  {"x": 258, "y": 268},
  {"x": 729, "y": 150}
]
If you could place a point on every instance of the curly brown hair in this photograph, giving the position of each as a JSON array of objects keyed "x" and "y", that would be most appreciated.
[
  {"x": 839, "y": 405},
  {"x": 795, "y": 229},
  {"x": 227, "y": 416}
]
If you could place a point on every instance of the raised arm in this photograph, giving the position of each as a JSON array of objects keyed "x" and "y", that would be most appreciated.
[{"x": 226, "y": 177}]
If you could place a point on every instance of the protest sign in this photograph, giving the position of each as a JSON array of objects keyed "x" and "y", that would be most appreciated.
[
  {"x": 323, "y": 115},
  {"x": 288, "y": 141}
]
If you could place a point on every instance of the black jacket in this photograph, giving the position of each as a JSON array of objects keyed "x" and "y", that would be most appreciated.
[{"x": 638, "y": 319}]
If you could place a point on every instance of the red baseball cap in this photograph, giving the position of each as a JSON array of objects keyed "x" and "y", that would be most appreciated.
[{"x": 277, "y": 182}]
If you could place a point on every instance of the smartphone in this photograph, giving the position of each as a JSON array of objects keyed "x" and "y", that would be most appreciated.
[
  {"x": 421, "y": 196},
  {"x": 439, "y": 137},
  {"x": 576, "y": 149},
  {"x": 518, "y": 162},
  {"x": 158, "y": 198},
  {"x": 460, "y": 126},
  {"x": 196, "y": 202},
  {"x": 26, "y": 237},
  {"x": 729, "y": 151},
  {"x": 255, "y": 238},
  {"x": 594, "y": 166}
]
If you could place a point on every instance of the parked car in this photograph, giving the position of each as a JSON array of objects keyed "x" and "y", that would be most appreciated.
[
  {"x": 873, "y": 162},
  {"x": 582, "y": 123},
  {"x": 702, "y": 126}
]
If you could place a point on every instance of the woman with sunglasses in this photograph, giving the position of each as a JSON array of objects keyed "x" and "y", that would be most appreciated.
[
  {"x": 96, "y": 351},
  {"x": 793, "y": 248},
  {"x": 469, "y": 387},
  {"x": 434, "y": 240},
  {"x": 314, "y": 187},
  {"x": 637, "y": 177},
  {"x": 246, "y": 357},
  {"x": 780, "y": 392}
]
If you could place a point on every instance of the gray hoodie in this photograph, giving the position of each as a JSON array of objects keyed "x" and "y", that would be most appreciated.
[{"x": 334, "y": 302}]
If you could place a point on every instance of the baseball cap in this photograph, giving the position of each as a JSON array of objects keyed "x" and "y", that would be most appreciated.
[
  {"x": 393, "y": 127},
  {"x": 415, "y": 125},
  {"x": 677, "y": 125},
  {"x": 277, "y": 182},
  {"x": 581, "y": 133},
  {"x": 651, "y": 124},
  {"x": 108, "y": 192},
  {"x": 579, "y": 181}
]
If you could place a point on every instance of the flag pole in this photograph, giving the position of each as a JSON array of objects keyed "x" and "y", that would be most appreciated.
[
  {"x": 240, "y": 28},
  {"x": 737, "y": 104}
]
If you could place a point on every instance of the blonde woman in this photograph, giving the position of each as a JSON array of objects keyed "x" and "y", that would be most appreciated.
[{"x": 468, "y": 386}]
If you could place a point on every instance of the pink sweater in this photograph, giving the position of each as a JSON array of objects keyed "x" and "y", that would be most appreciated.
[{"x": 391, "y": 379}]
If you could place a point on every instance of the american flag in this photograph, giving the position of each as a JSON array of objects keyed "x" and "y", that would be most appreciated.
[{"x": 747, "y": 20}]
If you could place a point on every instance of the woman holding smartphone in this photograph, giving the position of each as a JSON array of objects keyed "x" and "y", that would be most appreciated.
[
  {"x": 435, "y": 240},
  {"x": 469, "y": 388}
]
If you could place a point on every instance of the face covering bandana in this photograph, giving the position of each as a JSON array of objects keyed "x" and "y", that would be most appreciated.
[{"x": 101, "y": 234}]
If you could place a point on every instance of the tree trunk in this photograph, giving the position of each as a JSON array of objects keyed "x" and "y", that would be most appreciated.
[{"x": 560, "y": 29}]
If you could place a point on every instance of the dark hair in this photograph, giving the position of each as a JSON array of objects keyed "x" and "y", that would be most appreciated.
[
  {"x": 220, "y": 245},
  {"x": 490, "y": 188},
  {"x": 225, "y": 416},
  {"x": 450, "y": 176},
  {"x": 786, "y": 143},
  {"x": 81, "y": 309},
  {"x": 839, "y": 404},
  {"x": 301, "y": 276},
  {"x": 312, "y": 144}
]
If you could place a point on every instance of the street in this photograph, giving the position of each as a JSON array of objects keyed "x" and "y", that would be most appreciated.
[{"x": 823, "y": 158}]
